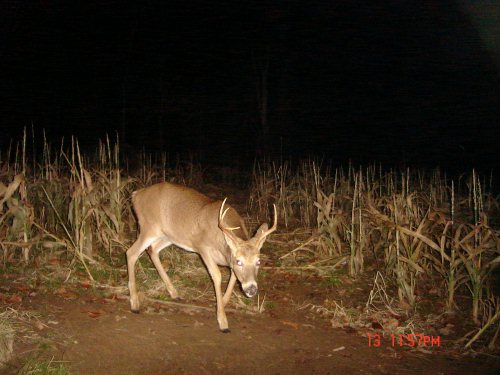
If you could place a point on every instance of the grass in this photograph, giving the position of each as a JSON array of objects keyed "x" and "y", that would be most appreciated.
[
  {"x": 331, "y": 281},
  {"x": 7, "y": 334},
  {"x": 14, "y": 325},
  {"x": 37, "y": 366}
]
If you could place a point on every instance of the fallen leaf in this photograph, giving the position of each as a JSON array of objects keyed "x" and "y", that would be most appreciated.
[
  {"x": 291, "y": 324},
  {"x": 54, "y": 261},
  {"x": 336, "y": 323},
  {"x": 445, "y": 331},
  {"x": 390, "y": 324},
  {"x": 86, "y": 284},
  {"x": 434, "y": 291},
  {"x": 21, "y": 288},
  {"x": 66, "y": 294},
  {"x": 112, "y": 299},
  {"x": 39, "y": 325},
  {"x": 118, "y": 317},
  {"x": 14, "y": 299},
  {"x": 95, "y": 313}
]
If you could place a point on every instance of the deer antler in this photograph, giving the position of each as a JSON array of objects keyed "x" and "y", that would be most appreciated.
[
  {"x": 223, "y": 213},
  {"x": 263, "y": 235}
]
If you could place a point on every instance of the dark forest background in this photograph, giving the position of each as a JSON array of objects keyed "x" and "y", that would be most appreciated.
[{"x": 396, "y": 82}]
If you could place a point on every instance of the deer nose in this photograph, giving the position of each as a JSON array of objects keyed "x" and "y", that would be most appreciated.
[{"x": 251, "y": 291}]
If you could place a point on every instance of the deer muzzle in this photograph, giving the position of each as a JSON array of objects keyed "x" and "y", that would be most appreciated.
[{"x": 251, "y": 290}]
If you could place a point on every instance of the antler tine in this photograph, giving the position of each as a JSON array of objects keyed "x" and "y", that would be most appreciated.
[
  {"x": 223, "y": 213},
  {"x": 275, "y": 224}
]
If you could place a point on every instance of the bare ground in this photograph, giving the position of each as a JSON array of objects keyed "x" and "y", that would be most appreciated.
[{"x": 94, "y": 332}]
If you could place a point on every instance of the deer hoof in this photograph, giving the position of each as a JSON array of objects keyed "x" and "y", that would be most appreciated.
[
  {"x": 225, "y": 330},
  {"x": 135, "y": 311},
  {"x": 174, "y": 295}
]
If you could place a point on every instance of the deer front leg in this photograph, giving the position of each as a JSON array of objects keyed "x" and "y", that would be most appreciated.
[
  {"x": 229, "y": 289},
  {"x": 215, "y": 274}
]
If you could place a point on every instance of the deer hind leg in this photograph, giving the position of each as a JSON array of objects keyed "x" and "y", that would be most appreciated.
[
  {"x": 153, "y": 252},
  {"x": 141, "y": 244}
]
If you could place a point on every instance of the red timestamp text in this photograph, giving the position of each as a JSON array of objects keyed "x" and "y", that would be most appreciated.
[{"x": 411, "y": 340}]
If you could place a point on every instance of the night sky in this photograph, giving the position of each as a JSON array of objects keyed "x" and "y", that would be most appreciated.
[{"x": 398, "y": 82}]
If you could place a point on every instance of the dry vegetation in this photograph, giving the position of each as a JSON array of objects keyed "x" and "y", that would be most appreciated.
[
  {"x": 418, "y": 228},
  {"x": 410, "y": 231}
]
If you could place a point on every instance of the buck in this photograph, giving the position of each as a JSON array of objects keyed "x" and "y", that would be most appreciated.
[{"x": 172, "y": 214}]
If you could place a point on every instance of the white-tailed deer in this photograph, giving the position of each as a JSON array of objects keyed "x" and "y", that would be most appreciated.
[{"x": 173, "y": 214}]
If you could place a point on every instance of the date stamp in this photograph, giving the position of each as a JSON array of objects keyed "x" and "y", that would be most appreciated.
[{"x": 411, "y": 340}]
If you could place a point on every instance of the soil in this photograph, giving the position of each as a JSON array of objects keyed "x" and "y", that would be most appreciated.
[{"x": 94, "y": 332}]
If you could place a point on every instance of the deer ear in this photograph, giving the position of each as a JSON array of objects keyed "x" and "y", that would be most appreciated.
[
  {"x": 232, "y": 241},
  {"x": 262, "y": 229},
  {"x": 260, "y": 236}
]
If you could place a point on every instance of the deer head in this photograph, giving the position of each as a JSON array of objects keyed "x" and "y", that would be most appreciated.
[{"x": 245, "y": 254}]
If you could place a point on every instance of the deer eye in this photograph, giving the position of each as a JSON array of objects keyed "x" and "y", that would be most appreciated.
[{"x": 239, "y": 263}]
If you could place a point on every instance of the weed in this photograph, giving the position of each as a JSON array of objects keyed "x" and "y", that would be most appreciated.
[
  {"x": 37, "y": 366},
  {"x": 331, "y": 281}
]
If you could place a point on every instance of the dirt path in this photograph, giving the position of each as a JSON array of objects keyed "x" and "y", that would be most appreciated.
[
  {"x": 99, "y": 335},
  {"x": 94, "y": 332}
]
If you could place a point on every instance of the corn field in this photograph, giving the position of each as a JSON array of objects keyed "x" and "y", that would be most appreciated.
[{"x": 415, "y": 225}]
